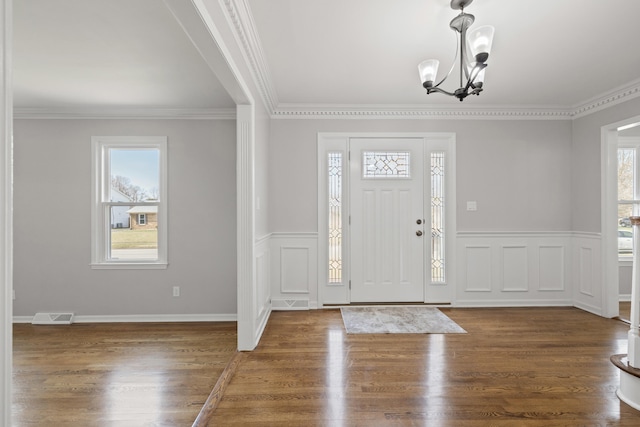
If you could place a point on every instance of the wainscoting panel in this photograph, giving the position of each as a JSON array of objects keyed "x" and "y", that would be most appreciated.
[
  {"x": 263, "y": 276},
  {"x": 587, "y": 272},
  {"x": 552, "y": 269},
  {"x": 492, "y": 270},
  {"x": 294, "y": 271},
  {"x": 585, "y": 265},
  {"x": 477, "y": 262},
  {"x": 513, "y": 269}
]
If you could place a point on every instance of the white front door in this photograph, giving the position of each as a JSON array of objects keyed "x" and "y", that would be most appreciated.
[{"x": 387, "y": 219}]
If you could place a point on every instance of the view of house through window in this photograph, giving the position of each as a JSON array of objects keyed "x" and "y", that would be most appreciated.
[{"x": 134, "y": 176}]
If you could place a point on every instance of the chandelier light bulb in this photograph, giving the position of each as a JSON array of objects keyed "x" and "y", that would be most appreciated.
[
  {"x": 428, "y": 71},
  {"x": 480, "y": 41}
]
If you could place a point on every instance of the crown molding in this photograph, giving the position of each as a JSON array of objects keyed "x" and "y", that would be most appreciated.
[
  {"x": 299, "y": 111},
  {"x": 240, "y": 19},
  {"x": 609, "y": 99},
  {"x": 125, "y": 113},
  {"x": 482, "y": 112}
]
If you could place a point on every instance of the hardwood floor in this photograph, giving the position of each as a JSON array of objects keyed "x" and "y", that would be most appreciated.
[
  {"x": 117, "y": 374},
  {"x": 514, "y": 367},
  {"x": 625, "y": 310}
]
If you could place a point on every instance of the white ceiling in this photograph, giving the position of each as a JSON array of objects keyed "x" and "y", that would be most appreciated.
[
  {"x": 107, "y": 53},
  {"x": 546, "y": 53}
]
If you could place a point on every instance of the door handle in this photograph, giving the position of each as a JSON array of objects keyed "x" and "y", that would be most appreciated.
[{"x": 419, "y": 233}]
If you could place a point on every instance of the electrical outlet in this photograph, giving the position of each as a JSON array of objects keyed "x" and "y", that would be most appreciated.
[{"x": 176, "y": 291}]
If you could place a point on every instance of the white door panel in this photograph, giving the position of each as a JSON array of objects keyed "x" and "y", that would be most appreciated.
[{"x": 387, "y": 254}]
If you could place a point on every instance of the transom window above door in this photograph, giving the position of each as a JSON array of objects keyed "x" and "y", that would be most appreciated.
[{"x": 386, "y": 164}]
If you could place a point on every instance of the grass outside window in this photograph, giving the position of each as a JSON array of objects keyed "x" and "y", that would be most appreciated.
[{"x": 134, "y": 239}]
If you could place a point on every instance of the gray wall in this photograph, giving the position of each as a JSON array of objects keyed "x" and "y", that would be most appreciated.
[
  {"x": 519, "y": 172},
  {"x": 52, "y": 221},
  {"x": 586, "y": 160}
]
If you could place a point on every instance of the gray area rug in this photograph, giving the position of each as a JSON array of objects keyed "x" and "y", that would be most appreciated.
[{"x": 398, "y": 320}]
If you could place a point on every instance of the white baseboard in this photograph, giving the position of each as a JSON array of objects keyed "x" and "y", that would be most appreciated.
[
  {"x": 511, "y": 303},
  {"x": 588, "y": 307},
  {"x": 624, "y": 297},
  {"x": 144, "y": 318},
  {"x": 262, "y": 323}
]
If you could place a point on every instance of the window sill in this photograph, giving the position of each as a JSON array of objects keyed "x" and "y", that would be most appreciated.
[{"x": 129, "y": 266}]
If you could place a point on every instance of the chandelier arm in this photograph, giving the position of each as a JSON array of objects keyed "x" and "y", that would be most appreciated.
[
  {"x": 474, "y": 73},
  {"x": 453, "y": 64},
  {"x": 437, "y": 89},
  {"x": 463, "y": 49}
]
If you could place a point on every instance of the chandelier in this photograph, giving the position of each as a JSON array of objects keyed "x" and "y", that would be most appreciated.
[{"x": 471, "y": 54}]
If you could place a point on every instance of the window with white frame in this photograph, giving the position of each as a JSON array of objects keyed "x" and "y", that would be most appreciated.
[
  {"x": 628, "y": 193},
  {"x": 129, "y": 202}
]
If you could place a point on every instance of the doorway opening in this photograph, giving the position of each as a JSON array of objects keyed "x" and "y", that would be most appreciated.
[
  {"x": 619, "y": 143},
  {"x": 628, "y": 198}
]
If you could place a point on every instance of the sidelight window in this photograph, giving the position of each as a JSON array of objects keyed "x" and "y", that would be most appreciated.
[
  {"x": 437, "y": 217},
  {"x": 335, "y": 217}
]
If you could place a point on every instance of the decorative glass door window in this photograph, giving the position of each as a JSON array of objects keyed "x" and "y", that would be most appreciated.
[
  {"x": 335, "y": 217},
  {"x": 437, "y": 217},
  {"x": 386, "y": 164}
]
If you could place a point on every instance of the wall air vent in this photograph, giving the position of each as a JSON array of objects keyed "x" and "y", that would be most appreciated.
[
  {"x": 52, "y": 319},
  {"x": 289, "y": 304}
]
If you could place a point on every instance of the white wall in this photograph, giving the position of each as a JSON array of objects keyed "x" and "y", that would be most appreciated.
[{"x": 52, "y": 184}]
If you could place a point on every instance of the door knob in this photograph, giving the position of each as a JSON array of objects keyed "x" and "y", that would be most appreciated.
[
  {"x": 419, "y": 233},
  {"x": 419, "y": 222}
]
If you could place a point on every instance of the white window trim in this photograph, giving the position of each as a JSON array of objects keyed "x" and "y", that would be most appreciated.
[
  {"x": 140, "y": 216},
  {"x": 100, "y": 183}
]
